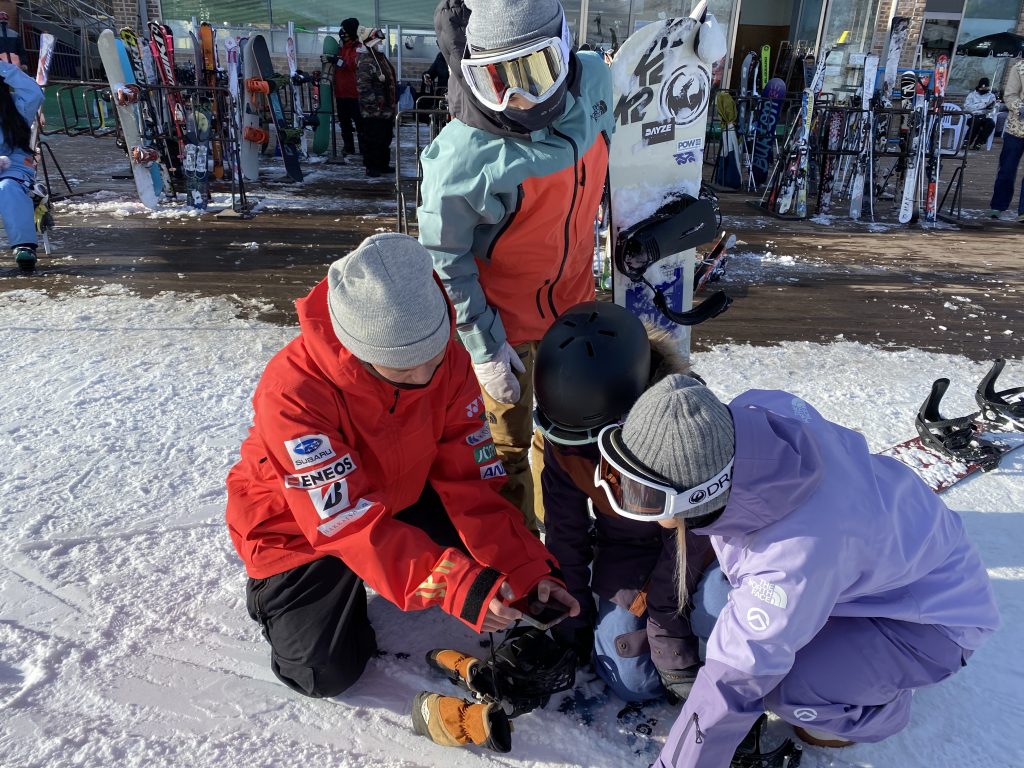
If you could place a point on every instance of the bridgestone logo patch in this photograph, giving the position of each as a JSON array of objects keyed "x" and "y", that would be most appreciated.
[{"x": 328, "y": 501}]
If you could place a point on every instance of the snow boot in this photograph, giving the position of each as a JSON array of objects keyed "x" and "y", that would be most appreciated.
[
  {"x": 452, "y": 722},
  {"x": 25, "y": 257},
  {"x": 465, "y": 671},
  {"x": 820, "y": 738}
]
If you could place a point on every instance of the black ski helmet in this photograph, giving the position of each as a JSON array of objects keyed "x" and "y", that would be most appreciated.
[{"x": 591, "y": 366}]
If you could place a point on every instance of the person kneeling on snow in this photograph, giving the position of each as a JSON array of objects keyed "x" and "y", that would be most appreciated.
[
  {"x": 851, "y": 583},
  {"x": 370, "y": 463},
  {"x": 591, "y": 366},
  {"x": 20, "y": 99}
]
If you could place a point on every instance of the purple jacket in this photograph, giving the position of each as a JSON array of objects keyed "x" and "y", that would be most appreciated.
[{"x": 817, "y": 526}]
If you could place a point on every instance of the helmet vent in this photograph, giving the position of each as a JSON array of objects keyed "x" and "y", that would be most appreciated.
[
  {"x": 590, "y": 349},
  {"x": 592, "y": 318},
  {"x": 606, "y": 332},
  {"x": 567, "y": 342},
  {"x": 569, "y": 323}
]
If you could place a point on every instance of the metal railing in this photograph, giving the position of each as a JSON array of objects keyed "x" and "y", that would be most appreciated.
[{"x": 76, "y": 24}]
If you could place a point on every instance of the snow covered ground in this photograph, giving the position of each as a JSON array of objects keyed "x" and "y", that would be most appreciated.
[{"x": 124, "y": 639}]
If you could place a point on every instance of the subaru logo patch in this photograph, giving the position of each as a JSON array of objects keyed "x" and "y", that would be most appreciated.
[{"x": 307, "y": 446}]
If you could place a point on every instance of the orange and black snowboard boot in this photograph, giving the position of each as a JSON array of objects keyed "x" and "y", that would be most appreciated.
[
  {"x": 452, "y": 722},
  {"x": 465, "y": 671}
]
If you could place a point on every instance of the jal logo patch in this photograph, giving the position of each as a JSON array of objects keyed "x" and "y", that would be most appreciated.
[
  {"x": 331, "y": 499},
  {"x": 659, "y": 132},
  {"x": 309, "y": 450},
  {"x": 769, "y": 593},
  {"x": 484, "y": 453},
  {"x": 491, "y": 471},
  {"x": 482, "y": 435}
]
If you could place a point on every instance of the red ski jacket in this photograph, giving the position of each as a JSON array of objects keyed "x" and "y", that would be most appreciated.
[
  {"x": 345, "y": 71},
  {"x": 335, "y": 452}
]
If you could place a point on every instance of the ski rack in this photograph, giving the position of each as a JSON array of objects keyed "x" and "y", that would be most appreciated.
[{"x": 437, "y": 116}]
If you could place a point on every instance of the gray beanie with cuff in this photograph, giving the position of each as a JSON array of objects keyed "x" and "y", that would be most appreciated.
[
  {"x": 498, "y": 24},
  {"x": 386, "y": 308},
  {"x": 681, "y": 431}
]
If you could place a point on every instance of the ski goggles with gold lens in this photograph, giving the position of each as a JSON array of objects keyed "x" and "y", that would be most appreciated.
[
  {"x": 533, "y": 72},
  {"x": 637, "y": 493}
]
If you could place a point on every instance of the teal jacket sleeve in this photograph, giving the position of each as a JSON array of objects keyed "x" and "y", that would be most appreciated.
[{"x": 459, "y": 196}]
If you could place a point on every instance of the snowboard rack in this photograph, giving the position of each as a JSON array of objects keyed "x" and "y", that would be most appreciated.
[
  {"x": 749, "y": 755},
  {"x": 956, "y": 437},
  {"x": 995, "y": 408}
]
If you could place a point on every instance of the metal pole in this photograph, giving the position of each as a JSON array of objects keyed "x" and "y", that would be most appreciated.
[
  {"x": 581, "y": 36},
  {"x": 398, "y": 55}
]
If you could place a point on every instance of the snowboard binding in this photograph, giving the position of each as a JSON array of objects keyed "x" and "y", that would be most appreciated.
[
  {"x": 995, "y": 406},
  {"x": 954, "y": 437},
  {"x": 521, "y": 674},
  {"x": 749, "y": 755},
  {"x": 680, "y": 224}
]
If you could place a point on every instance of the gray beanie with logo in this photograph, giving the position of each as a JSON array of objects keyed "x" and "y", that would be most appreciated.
[
  {"x": 681, "y": 431},
  {"x": 386, "y": 307},
  {"x": 497, "y": 24}
]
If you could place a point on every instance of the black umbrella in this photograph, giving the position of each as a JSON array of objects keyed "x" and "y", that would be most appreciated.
[{"x": 1002, "y": 45}]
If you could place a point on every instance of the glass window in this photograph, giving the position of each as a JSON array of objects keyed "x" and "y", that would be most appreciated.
[
  {"x": 849, "y": 26},
  {"x": 982, "y": 17}
]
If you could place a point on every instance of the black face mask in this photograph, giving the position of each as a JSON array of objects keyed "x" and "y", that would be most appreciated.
[{"x": 542, "y": 115}]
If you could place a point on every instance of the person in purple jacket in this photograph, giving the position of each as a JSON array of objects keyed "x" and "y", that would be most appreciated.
[
  {"x": 850, "y": 582},
  {"x": 591, "y": 366}
]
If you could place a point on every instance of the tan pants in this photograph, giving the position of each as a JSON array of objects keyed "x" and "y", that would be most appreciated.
[{"x": 519, "y": 446}]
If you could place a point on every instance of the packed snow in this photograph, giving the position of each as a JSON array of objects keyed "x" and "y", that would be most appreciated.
[{"x": 124, "y": 639}]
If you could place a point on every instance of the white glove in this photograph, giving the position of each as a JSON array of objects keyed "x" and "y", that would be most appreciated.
[
  {"x": 497, "y": 376},
  {"x": 711, "y": 46},
  {"x": 5, "y": 163}
]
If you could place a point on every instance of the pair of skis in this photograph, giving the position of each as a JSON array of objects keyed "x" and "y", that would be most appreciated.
[{"x": 949, "y": 450}]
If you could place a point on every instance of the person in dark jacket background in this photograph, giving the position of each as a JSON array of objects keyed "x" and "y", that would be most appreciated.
[
  {"x": 378, "y": 94},
  {"x": 436, "y": 77},
  {"x": 346, "y": 96},
  {"x": 591, "y": 366}
]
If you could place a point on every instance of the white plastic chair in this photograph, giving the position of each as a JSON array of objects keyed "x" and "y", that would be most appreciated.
[{"x": 952, "y": 129}]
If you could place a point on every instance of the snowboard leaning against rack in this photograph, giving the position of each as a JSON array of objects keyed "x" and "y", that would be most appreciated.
[{"x": 271, "y": 85}]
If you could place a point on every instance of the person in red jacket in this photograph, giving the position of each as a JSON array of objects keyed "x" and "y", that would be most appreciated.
[
  {"x": 346, "y": 97},
  {"x": 370, "y": 462}
]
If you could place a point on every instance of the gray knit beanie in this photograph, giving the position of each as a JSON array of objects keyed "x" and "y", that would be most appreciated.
[
  {"x": 681, "y": 431},
  {"x": 496, "y": 24},
  {"x": 386, "y": 307}
]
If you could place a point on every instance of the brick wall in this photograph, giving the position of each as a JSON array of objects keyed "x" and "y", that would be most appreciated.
[{"x": 886, "y": 11}]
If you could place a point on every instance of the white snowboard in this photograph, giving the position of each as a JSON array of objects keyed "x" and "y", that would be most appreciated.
[
  {"x": 251, "y": 107},
  {"x": 661, "y": 90},
  {"x": 128, "y": 116}
]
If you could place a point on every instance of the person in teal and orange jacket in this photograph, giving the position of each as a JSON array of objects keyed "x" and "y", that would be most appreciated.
[{"x": 511, "y": 188}]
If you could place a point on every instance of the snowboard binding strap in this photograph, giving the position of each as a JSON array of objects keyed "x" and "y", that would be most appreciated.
[
  {"x": 954, "y": 437},
  {"x": 995, "y": 407},
  {"x": 749, "y": 754}
]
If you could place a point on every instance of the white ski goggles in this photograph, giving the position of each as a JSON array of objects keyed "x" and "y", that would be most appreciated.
[
  {"x": 637, "y": 493},
  {"x": 533, "y": 72}
]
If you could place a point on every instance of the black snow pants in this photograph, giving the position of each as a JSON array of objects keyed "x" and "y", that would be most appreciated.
[{"x": 314, "y": 616}]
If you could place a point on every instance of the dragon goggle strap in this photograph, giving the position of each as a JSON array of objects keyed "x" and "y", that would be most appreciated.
[
  {"x": 534, "y": 71},
  {"x": 634, "y": 492}
]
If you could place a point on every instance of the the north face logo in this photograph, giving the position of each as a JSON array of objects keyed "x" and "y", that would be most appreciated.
[{"x": 599, "y": 111}]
